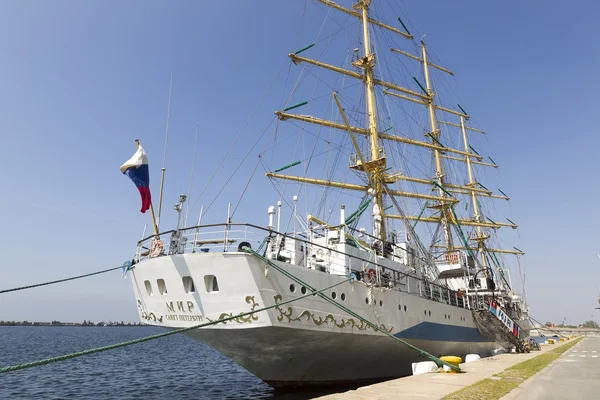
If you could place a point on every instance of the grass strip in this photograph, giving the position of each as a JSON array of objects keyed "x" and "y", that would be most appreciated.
[{"x": 502, "y": 383}]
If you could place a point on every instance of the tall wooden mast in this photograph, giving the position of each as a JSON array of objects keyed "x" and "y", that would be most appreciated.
[
  {"x": 377, "y": 163},
  {"x": 439, "y": 173}
]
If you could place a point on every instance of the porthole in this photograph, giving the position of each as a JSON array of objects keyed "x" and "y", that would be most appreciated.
[
  {"x": 430, "y": 313},
  {"x": 405, "y": 308},
  {"x": 380, "y": 303},
  {"x": 343, "y": 297},
  {"x": 303, "y": 290},
  {"x": 399, "y": 307},
  {"x": 333, "y": 295},
  {"x": 292, "y": 288},
  {"x": 425, "y": 312},
  {"x": 367, "y": 300}
]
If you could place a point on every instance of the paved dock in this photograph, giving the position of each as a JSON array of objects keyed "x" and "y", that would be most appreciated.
[
  {"x": 575, "y": 375},
  {"x": 438, "y": 385}
]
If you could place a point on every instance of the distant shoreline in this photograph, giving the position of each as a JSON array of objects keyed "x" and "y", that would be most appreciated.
[{"x": 84, "y": 323}]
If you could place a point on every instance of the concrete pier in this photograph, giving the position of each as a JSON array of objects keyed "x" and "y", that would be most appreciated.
[
  {"x": 438, "y": 385},
  {"x": 574, "y": 375}
]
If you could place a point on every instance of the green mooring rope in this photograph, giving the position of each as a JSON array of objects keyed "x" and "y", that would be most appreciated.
[
  {"x": 157, "y": 336},
  {"x": 344, "y": 308},
  {"x": 59, "y": 281}
]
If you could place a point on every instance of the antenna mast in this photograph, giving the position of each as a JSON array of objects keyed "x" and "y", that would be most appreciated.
[
  {"x": 162, "y": 176},
  {"x": 187, "y": 210}
]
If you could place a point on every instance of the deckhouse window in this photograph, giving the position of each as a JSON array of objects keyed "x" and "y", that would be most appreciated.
[
  {"x": 162, "y": 287},
  {"x": 210, "y": 281},
  {"x": 188, "y": 284},
  {"x": 148, "y": 287}
]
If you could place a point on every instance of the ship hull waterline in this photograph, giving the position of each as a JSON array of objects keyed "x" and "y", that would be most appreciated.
[
  {"x": 308, "y": 342},
  {"x": 287, "y": 358}
]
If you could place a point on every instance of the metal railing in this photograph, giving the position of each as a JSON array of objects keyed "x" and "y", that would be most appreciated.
[
  {"x": 201, "y": 238},
  {"x": 204, "y": 238},
  {"x": 419, "y": 286}
]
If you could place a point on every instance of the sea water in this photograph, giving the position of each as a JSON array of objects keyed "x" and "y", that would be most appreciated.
[{"x": 174, "y": 367}]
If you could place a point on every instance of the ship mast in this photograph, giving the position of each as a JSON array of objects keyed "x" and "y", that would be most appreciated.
[
  {"x": 472, "y": 183},
  {"x": 375, "y": 165},
  {"x": 439, "y": 173},
  {"x": 378, "y": 162},
  {"x": 470, "y": 157}
]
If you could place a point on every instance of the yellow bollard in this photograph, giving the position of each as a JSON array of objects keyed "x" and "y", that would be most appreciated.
[
  {"x": 550, "y": 341},
  {"x": 451, "y": 360}
]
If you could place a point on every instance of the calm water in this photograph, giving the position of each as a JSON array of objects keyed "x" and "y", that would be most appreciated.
[{"x": 175, "y": 367}]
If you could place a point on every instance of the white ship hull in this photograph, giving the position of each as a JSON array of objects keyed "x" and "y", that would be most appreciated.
[{"x": 309, "y": 341}]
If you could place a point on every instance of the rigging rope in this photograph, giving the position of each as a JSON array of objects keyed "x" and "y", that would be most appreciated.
[
  {"x": 59, "y": 280},
  {"x": 238, "y": 136},
  {"x": 430, "y": 268},
  {"x": 544, "y": 327},
  {"x": 157, "y": 336}
]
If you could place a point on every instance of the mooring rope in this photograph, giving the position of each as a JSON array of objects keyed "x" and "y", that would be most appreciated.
[
  {"x": 314, "y": 292},
  {"x": 157, "y": 336},
  {"x": 347, "y": 310},
  {"x": 60, "y": 280},
  {"x": 544, "y": 327}
]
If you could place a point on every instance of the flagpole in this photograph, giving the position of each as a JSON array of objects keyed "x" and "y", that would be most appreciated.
[
  {"x": 137, "y": 143},
  {"x": 153, "y": 220}
]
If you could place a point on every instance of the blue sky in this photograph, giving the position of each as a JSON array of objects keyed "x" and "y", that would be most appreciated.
[{"x": 82, "y": 80}]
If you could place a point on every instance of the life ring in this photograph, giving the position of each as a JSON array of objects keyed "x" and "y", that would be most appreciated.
[
  {"x": 371, "y": 276},
  {"x": 320, "y": 255},
  {"x": 157, "y": 248}
]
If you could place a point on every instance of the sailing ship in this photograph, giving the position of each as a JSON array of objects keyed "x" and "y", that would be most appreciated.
[{"x": 449, "y": 296}]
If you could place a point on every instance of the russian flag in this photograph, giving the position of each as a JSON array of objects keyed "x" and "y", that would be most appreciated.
[{"x": 136, "y": 168}]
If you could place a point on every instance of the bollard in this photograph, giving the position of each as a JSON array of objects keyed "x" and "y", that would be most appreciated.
[{"x": 451, "y": 360}]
